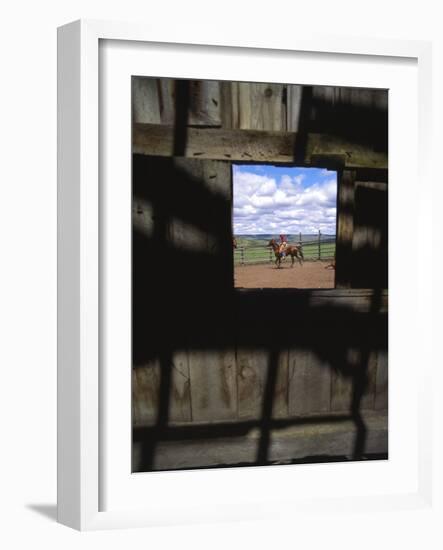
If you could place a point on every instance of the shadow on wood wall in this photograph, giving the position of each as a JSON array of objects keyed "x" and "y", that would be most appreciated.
[
  {"x": 184, "y": 302},
  {"x": 191, "y": 326}
]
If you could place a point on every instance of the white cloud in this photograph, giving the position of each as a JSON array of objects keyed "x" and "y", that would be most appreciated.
[
  {"x": 262, "y": 202},
  {"x": 267, "y": 188},
  {"x": 264, "y": 205}
]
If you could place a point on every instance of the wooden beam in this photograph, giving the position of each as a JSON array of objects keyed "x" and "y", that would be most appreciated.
[
  {"x": 345, "y": 229},
  {"x": 253, "y": 146},
  {"x": 238, "y": 442}
]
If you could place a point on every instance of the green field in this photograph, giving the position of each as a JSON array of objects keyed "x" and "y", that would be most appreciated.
[{"x": 252, "y": 248}]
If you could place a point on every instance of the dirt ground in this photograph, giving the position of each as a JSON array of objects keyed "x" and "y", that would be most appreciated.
[{"x": 309, "y": 275}]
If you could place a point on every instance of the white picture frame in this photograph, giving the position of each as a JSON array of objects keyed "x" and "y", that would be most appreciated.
[{"x": 83, "y": 442}]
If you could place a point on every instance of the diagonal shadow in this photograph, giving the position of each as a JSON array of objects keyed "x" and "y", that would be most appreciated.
[
  {"x": 181, "y": 102},
  {"x": 267, "y": 408},
  {"x": 183, "y": 299},
  {"x": 48, "y": 511}
]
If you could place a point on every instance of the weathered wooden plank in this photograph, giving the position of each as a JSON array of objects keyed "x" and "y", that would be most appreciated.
[
  {"x": 213, "y": 385},
  {"x": 252, "y": 145},
  {"x": 359, "y": 112},
  {"x": 146, "y": 382},
  {"x": 185, "y": 235},
  {"x": 145, "y": 100},
  {"x": 205, "y": 103},
  {"x": 360, "y": 304},
  {"x": 294, "y": 96},
  {"x": 180, "y": 398},
  {"x": 381, "y": 388},
  {"x": 166, "y": 88},
  {"x": 369, "y": 243},
  {"x": 355, "y": 155},
  {"x": 145, "y": 393},
  {"x": 142, "y": 216},
  {"x": 261, "y": 107},
  {"x": 220, "y": 445},
  {"x": 280, "y": 407},
  {"x": 217, "y": 177},
  {"x": 309, "y": 383},
  {"x": 235, "y": 100},
  {"x": 352, "y": 299},
  {"x": 345, "y": 228},
  {"x": 204, "y": 107},
  {"x": 212, "y": 372},
  {"x": 319, "y": 293},
  {"x": 252, "y": 368},
  {"x": 227, "y": 91},
  {"x": 361, "y": 97},
  {"x": 341, "y": 393},
  {"x": 342, "y": 384}
]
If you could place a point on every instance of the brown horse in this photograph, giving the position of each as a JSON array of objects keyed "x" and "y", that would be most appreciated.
[{"x": 293, "y": 250}]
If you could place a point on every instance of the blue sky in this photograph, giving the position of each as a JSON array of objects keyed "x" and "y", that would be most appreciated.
[{"x": 281, "y": 199}]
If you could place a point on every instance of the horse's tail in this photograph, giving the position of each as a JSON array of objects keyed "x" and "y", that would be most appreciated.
[{"x": 300, "y": 248}]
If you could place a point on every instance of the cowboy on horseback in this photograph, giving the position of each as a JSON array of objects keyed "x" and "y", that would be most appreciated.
[
  {"x": 292, "y": 250},
  {"x": 282, "y": 246}
]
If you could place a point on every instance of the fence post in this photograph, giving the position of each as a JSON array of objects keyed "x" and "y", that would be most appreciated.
[
  {"x": 300, "y": 238},
  {"x": 242, "y": 252},
  {"x": 319, "y": 244}
]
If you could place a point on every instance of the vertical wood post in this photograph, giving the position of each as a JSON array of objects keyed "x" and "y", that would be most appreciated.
[
  {"x": 319, "y": 244},
  {"x": 345, "y": 228},
  {"x": 242, "y": 251}
]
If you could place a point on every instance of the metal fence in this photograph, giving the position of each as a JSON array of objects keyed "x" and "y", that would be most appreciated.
[{"x": 320, "y": 248}]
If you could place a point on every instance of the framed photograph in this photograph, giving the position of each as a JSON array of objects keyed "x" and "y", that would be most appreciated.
[{"x": 238, "y": 325}]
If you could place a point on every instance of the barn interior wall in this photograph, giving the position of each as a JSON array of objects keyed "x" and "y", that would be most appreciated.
[{"x": 204, "y": 353}]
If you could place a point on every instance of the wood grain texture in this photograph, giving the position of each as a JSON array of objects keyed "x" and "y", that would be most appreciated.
[
  {"x": 166, "y": 87},
  {"x": 343, "y": 384},
  {"x": 145, "y": 100},
  {"x": 294, "y": 442},
  {"x": 253, "y": 372},
  {"x": 204, "y": 108},
  {"x": 280, "y": 407},
  {"x": 184, "y": 235},
  {"x": 294, "y": 96},
  {"x": 309, "y": 383},
  {"x": 213, "y": 385},
  {"x": 145, "y": 393},
  {"x": 205, "y": 103},
  {"x": 260, "y": 107},
  {"x": 253, "y": 145},
  {"x": 229, "y": 102},
  {"x": 252, "y": 368},
  {"x": 217, "y": 178},
  {"x": 180, "y": 398},
  {"x": 345, "y": 228},
  {"x": 212, "y": 372},
  {"x": 381, "y": 388}
]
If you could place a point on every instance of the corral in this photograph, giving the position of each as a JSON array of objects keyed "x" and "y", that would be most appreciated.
[
  {"x": 319, "y": 274},
  {"x": 225, "y": 375}
]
